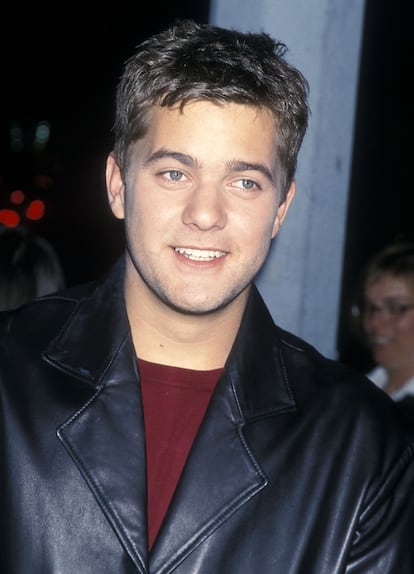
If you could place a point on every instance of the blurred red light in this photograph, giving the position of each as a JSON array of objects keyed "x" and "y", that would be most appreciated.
[
  {"x": 36, "y": 210},
  {"x": 9, "y": 217},
  {"x": 17, "y": 197}
]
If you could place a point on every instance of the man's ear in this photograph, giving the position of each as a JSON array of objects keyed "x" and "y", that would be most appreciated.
[
  {"x": 115, "y": 187},
  {"x": 283, "y": 209}
]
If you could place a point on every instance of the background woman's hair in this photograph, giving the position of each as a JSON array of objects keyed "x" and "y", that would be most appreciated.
[{"x": 29, "y": 267}]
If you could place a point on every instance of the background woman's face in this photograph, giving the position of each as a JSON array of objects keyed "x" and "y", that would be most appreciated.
[{"x": 388, "y": 321}]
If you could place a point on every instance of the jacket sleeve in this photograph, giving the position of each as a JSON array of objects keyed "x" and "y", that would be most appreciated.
[{"x": 384, "y": 538}]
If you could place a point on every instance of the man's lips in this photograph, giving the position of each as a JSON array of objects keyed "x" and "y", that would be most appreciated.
[{"x": 200, "y": 254}]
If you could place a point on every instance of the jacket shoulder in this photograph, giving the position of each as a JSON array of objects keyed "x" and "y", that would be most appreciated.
[
  {"x": 39, "y": 320},
  {"x": 346, "y": 394}
]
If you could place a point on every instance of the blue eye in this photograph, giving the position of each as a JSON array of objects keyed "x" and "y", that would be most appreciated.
[
  {"x": 175, "y": 174},
  {"x": 248, "y": 183}
]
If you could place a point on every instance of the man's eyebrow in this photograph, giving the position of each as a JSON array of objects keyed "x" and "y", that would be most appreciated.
[
  {"x": 166, "y": 153},
  {"x": 237, "y": 165},
  {"x": 232, "y": 166}
]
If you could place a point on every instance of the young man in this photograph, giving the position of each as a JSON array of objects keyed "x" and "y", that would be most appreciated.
[{"x": 158, "y": 421}]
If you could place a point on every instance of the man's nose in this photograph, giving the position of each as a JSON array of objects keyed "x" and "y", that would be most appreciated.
[{"x": 205, "y": 207}]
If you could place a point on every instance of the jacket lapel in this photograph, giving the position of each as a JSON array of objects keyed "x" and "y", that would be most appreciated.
[
  {"x": 105, "y": 438},
  {"x": 208, "y": 494},
  {"x": 105, "y": 435}
]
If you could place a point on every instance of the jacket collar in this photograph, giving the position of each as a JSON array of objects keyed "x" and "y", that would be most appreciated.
[
  {"x": 98, "y": 328},
  {"x": 256, "y": 365}
]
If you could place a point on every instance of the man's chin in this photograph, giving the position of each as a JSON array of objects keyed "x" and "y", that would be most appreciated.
[{"x": 199, "y": 306}]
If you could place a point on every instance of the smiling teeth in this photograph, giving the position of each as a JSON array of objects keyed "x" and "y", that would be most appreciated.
[{"x": 199, "y": 254}]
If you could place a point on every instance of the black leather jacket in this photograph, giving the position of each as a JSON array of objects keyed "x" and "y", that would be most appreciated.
[{"x": 299, "y": 466}]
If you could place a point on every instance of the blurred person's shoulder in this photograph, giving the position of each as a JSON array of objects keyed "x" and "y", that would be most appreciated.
[
  {"x": 342, "y": 396},
  {"x": 36, "y": 320}
]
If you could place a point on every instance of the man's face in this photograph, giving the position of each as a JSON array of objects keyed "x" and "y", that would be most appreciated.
[{"x": 201, "y": 204}]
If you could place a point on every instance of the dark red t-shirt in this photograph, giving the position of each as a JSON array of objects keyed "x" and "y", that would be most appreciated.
[{"x": 174, "y": 402}]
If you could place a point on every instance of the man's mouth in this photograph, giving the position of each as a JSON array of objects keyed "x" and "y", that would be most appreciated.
[{"x": 200, "y": 254}]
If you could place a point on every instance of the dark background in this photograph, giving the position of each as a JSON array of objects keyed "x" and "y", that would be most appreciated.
[
  {"x": 381, "y": 203},
  {"x": 60, "y": 63}
]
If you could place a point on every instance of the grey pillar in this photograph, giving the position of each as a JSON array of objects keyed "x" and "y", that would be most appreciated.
[{"x": 301, "y": 281}]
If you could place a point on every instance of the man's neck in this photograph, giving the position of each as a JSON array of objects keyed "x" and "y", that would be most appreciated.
[{"x": 201, "y": 342}]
